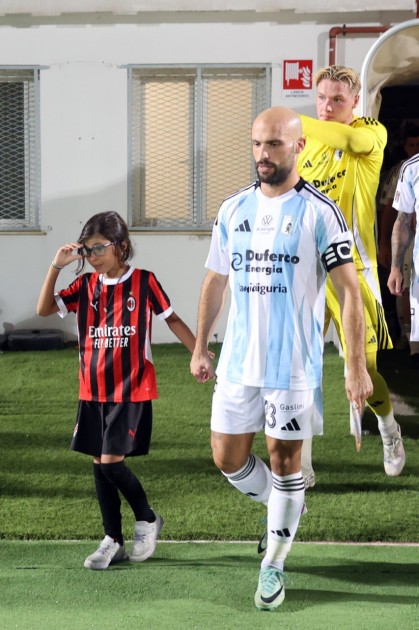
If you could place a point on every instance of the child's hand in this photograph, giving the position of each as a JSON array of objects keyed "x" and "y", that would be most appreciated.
[{"x": 67, "y": 254}]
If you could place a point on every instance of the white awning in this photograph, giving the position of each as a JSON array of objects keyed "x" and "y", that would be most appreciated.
[
  {"x": 132, "y": 7},
  {"x": 392, "y": 60}
]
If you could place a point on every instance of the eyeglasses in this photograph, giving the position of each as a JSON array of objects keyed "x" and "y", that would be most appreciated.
[{"x": 96, "y": 250}]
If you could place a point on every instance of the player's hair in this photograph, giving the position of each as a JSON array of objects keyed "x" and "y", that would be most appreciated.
[
  {"x": 340, "y": 73},
  {"x": 409, "y": 130},
  {"x": 112, "y": 226}
]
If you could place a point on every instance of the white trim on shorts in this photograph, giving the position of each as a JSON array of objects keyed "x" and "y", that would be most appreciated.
[{"x": 284, "y": 414}]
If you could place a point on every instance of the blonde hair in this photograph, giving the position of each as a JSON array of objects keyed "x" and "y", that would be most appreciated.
[{"x": 340, "y": 73}]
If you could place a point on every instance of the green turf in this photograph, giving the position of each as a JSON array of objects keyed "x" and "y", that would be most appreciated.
[
  {"x": 207, "y": 587},
  {"x": 47, "y": 490}
]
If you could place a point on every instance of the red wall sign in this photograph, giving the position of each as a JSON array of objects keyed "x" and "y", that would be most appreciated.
[{"x": 298, "y": 74}]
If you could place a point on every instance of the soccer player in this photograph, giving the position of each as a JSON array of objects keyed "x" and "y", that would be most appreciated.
[
  {"x": 387, "y": 216},
  {"x": 406, "y": 201},
  {"x": 274, "y": 243},
  {"x": 114, "y": 307},
  {"x": 342, "y": 158}
]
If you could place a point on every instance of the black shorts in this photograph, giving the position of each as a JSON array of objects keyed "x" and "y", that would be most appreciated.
[{"x": 113, "y": 428}]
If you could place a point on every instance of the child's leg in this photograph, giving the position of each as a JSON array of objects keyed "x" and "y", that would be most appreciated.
[
  {"x": 109, "y": 503},
  {"x": 124, "y": 480}
]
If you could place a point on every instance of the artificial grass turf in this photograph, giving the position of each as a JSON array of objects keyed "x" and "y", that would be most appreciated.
[
  {"x": 47, "y": 491},
  {"x": 207, "y": 586}
]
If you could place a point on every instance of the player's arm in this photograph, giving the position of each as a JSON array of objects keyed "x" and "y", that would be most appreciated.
[
  {"x": 345, "y": 280},
  {"x": 46, "y": 301},
  {"x": 181, "y": 331},
  {"x": 340, "y": 136},
  {"x": 210, "y": 304},
  {"x": 400, "y": 240}
]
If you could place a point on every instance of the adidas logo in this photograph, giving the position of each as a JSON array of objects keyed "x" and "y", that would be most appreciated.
[
  {"x": 283, "y": 533},
  {"x": 373, "y": 339},
  {"x": 292, "y": 425},
  {"x": 307, "y": 164},
  {"x": 243, "y": 227},
  {"x": 376, "y": 403}
]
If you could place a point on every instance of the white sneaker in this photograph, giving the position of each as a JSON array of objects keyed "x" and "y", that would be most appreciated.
[
  {"x": 145, "y": 539},
  {"x": 108, "y": 552},
  {"x": 310, "y": 480},
  {"x": 270, "y": 592},
  {"x": 394, "y": 455}
]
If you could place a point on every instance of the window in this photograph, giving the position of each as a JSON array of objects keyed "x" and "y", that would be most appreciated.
[
  {"x": 190, "y": 143},
  {"x": 19, "y": 148}
]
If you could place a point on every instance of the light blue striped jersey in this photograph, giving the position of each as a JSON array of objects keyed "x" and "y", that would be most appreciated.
[
  {"x": 406, "y": 199},
  {"x": 271, "y": 249}
]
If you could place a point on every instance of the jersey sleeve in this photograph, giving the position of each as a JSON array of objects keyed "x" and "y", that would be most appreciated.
[
  {"x": 334, "y": 239},
  {"x": 159, "y": 300},
  {"x": 68, "y": 299},
  {"x": 218, "y": 255},
  {"x": 404, "y": 197},
  {"x": 349, "y": 138}
]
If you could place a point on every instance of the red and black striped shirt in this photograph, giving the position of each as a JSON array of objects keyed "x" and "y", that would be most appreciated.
[{"x": 114, "y": 319}]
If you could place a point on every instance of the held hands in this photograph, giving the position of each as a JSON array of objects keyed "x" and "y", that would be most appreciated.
[
  {"x": 201, "y": 366},
  {"x": 66, "y": 255}
]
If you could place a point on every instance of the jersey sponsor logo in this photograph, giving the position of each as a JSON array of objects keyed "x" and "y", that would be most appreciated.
[
  {"x": 111, "y": 336},
  {"x": 238, "y": 261},
  {"x": 287, "y": 225},
  {"x": 267, "y": 220},
  {"x": 243, "y": 227},
  {"x": 294, "y": 407},
  {"x": 268, "y": 224},
  {"x": 329, "y": 182},
  {"x": 262, "y": 289}
]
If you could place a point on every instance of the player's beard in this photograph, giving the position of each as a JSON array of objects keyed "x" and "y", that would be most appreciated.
[{"x": 278, "y": 176}]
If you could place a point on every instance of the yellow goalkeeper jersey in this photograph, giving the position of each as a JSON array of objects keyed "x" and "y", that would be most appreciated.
[{"x": 344, "y": 162}]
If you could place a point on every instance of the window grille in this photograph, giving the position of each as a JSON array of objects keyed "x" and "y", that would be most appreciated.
[
  {"x": 190, "y": 141},
  {"x": 19, "y": 148}
]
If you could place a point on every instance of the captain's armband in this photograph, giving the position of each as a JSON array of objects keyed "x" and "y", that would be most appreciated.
[{"x": 337, "y": 254}]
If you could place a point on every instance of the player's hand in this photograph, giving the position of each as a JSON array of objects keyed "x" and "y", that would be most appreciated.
[
  {"x": 201, "y": 366},
  {"x": 358, "y": 386},
  {"x": 395, "y": 281}
]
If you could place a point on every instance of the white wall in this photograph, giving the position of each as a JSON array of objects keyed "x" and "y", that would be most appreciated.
[{"x": 84, "y": 139}]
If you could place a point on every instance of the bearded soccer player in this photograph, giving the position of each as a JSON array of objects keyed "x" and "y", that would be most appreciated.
[
  {"x": 342, "y": 158},
  {"x": 273, "y": 244}
]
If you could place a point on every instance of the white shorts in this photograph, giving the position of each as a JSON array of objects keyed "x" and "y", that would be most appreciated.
[{"x": 284, "y": 414}]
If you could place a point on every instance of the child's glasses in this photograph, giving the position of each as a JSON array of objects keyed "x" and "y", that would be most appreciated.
[{"x": 96, "y": 250}]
